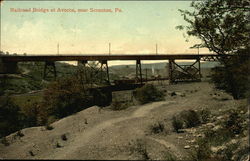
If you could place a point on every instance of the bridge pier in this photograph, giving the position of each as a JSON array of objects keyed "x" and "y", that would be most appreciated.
[
  {"x": 104, "y": 66},
  {"x": 94, "y": 71},
  {"x": 138, "y": 71},
  {"x": 8, "y": 67},
  {"x": 181, "y": 73},
  {"x": 49, "y": 68}
]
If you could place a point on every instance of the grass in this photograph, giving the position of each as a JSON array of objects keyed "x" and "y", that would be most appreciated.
[
  {"x": 169, "y": 157},
  {"x": 139, "y": 146},
  {"x": 23, "y": 100}
]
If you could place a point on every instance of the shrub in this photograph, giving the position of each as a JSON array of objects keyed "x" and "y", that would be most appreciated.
[
  {"x": 191, "y": 118},
  {"x": 19, "y": 133},
  {"x": 203, "y": 152},
  {"x": 64, "y": 137},
  {"x": 65, "y": 97},
  {"x": 5, "y": 142},
  {"x": 218, "y": 137},
  {"x": 148, "y": 93},
  {"x": 234, "y": 122},
  {"x": 233, "y": 76},
  {"x": 119, "y": 105},
  {"x": 10, "y": 117},
  {"x": 205, "y": 115},
  {"x": 169, "y": 157},
  {"x": 49, "y": 127},
  {"x": 157, "y": 128},
  {"x": 177, "y": 124},
  {"x": 139, "y": 146}
]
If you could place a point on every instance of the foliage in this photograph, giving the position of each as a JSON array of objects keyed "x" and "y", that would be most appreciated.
[
  {"x": 217, "y": 137},
  {"x": 234, "y": 123},
  {"x": 234, "y": 78},
  {"x": 148, "y": 93},
  {"x": 119, "y": 105},
  {"x": 139, "y": 146},
  {"x": 203, "y": 151},
  {"x": 177, "y": 124},
  {"x": 4, "y": 141},
  {"x": 65, "y": 96},
  {"x": 49, "y": 127},
  {"x": 191, "y": 118},
  {"x": 223, "y": 27},
  {"x": 157, "y": 128},
  {"x": 205, "y": 115},
  {"x": 10, "y": 118}
]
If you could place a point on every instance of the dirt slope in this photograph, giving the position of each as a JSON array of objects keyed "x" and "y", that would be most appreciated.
[{"x": 97, "y": 133}]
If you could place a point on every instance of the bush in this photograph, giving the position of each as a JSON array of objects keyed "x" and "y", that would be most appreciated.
[
  {"x": 139, "y": 146},
  {"x": 233, "y": 77},
  {"x": 65, "y": 97},
  {"x": 205, "y": 115},
  {"x": 157, "y": 128},
  {"x": 203, "y": 152},
  {"x": 218, "y": 137},
  {"x": 10, "y": 117},
  {"x": 191, "y": 118},
  {"x": 234, "y": 122},
  {"x": 119, "y": 105},
  {"x": 49, "y": 127},
  {"x": 177, "y": 124},
  {"x": 148, "y": 93},
  {"x": 5, "y": 142}
]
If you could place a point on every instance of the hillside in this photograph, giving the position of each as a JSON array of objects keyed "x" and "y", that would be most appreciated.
[{"x": 101, "y": 133}]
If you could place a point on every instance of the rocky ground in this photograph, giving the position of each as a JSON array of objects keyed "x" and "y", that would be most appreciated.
[{"x": 102, "y": 133}]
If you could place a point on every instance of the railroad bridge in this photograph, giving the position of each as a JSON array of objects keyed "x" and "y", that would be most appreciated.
[{"x": 8, "y": 63}]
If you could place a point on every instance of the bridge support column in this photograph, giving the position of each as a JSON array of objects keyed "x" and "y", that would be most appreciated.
[
  {"x": 171, "y": 70},
  {"x": 8, "y": 67},
  {"x": 104, "y": 66},
  {"x": 82, "y": 69},
  {"x": 138, "y": 71},
  {"x": 49, "y": 68},
  {"x": 184, "y": 73}
]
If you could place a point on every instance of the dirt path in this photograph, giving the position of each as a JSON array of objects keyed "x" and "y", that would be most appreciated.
[{"x": 92, "y": 133}]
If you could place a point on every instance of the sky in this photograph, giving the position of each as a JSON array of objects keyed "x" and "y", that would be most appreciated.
[{"x": 135, "y": 30}]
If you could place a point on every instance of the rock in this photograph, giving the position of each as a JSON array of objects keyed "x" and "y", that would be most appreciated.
[
  {"x": 210, "y": 124},
  {"x": 233, "y": 141},
  {"x": 219, "y": 117},
  {"x": 199, "y": 135},
  {"x": 191, "y": 141},
  {"x": 217, "y": 127},
  {"x": 187, "y": 147},
  {"x": 217, "y": 148},
  {"x": 191, "y": 131}
]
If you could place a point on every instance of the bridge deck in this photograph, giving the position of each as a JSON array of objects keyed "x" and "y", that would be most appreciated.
[{"x": 18, "y": 58}]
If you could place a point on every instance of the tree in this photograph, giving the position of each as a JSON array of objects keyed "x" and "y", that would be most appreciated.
[{"x": 223, "y": 27}]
